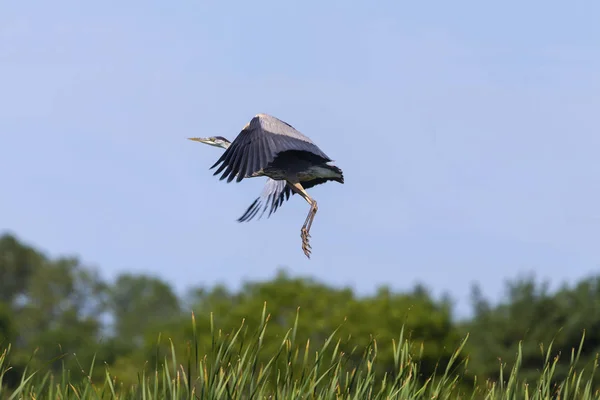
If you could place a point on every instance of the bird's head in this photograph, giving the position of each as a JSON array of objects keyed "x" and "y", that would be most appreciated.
[{"x": 217, "y": 141}]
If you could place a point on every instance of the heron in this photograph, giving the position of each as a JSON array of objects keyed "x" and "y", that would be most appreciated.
[{"x": 292, "y": 163}]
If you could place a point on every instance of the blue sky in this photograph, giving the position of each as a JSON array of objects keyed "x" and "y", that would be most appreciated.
[{"x": 468, "y": 133}]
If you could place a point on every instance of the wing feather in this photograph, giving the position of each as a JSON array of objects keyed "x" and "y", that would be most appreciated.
[
  {"x": 230, "y": 161},
  {"x": 252, "y": 160},
  {"x": 225, "y": 159},
  {"x": 237, "y": 165},
  {"x": 255, "y": 204},
  {"x": 243, "y": 165},
  {"x": 261, "y": 154},
  {"x": 272, "y": 196},
  {"x": 266, "y": 137}
]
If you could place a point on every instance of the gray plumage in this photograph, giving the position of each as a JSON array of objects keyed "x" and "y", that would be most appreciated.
[
  {"x": 258, "y": 145},
  {"x": 273, "y": 196}
]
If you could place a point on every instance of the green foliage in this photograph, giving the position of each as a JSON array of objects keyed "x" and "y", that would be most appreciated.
[
  {"x": 238, "y": 366},
  {"x": 59, "y": 317},
  {"x": 7, "y": 329},
  {"x": 17, "y": 263},
  {"x": 357, "y": 320},
  {"x": 532, "y": 317}
]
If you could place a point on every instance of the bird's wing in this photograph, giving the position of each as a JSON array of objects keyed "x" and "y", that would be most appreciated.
[
  {"x": 258, "y": 144},
  {"x": 274, "y": 194}
]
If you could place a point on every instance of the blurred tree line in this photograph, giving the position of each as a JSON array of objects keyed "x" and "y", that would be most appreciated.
[{"x": 56, "y": 312}]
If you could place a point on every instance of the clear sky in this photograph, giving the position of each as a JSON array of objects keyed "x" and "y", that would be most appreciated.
[{"x": 468, "y": 132}]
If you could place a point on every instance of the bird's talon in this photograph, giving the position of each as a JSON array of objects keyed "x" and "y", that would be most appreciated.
[
  {"x": 306, "y": 247},
  {"x": 307, "y": 252}
]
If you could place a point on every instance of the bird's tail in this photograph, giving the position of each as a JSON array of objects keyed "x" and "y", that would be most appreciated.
[{"x": 340, "y": 174}]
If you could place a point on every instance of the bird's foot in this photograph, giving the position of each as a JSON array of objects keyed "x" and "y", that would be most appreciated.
[{"x": 306, "y": 248}]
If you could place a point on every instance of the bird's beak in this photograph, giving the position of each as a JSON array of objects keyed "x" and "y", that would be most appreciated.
[{"x": 198, "y": 139}]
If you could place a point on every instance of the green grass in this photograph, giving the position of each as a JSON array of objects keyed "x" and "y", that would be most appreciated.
[{"x": 231, "y": 369}]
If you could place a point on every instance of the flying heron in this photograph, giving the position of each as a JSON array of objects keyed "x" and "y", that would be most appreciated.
[{"x": 292, "y": 163}]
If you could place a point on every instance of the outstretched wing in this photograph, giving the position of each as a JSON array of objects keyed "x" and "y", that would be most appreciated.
[
  {"x": 258, "y": 144},
  {"x": 274, "y": 194}
]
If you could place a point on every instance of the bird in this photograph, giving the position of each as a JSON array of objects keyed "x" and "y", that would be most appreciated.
[{"x": 272, "y": 148}]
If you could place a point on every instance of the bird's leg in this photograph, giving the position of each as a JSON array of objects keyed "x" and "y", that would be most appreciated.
[
  {"x": 304, "y": 232},
  {"x": 312, "y": 214}
]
